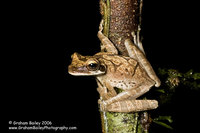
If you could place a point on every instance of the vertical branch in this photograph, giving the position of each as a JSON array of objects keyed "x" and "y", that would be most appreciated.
[{"x": 121, "y": 18}]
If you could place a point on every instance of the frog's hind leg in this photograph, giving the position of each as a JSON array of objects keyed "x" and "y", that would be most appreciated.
[
  {"x": 135, "y": 53},
  {"x": 132, "y": 106},
  {"x": 132, "y": 93}
]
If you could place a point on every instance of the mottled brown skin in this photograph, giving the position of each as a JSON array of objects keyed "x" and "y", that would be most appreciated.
[{"x": 134, "y": 75}]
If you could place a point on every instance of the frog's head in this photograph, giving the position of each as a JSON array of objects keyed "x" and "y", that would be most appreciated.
[{"x": 85, "y": 66}]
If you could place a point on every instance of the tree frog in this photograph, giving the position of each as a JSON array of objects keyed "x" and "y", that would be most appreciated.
[{"x": 134, "y": 75}]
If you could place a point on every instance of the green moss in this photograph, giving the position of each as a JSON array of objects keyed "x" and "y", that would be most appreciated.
[{"x": 121, "y": 122}]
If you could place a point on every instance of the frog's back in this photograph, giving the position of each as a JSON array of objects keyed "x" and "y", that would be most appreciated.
[{"x": 123, "y": 72}]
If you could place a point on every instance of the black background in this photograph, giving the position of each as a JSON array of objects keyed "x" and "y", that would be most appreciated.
[{"x": 37, "y": 87}]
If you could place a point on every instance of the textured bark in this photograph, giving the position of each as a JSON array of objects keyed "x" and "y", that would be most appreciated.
[
  {"x": 121, "y": 17},
  {"x": 123, "y": 20}
]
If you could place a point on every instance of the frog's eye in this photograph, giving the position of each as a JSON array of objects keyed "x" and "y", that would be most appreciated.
[{"x": 92, "y": 65}]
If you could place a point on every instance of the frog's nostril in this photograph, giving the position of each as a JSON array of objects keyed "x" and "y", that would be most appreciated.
[{"x": 73, "y": 68}]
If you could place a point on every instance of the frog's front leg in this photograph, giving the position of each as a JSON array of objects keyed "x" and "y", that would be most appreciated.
[
  {"x": 106, "y": 43},
  {"x": 135, "y": 53},
  {"x": 102, "y": 91},
  {"x": 105, "y": 90},
  {"x": 127, "y": 106}
]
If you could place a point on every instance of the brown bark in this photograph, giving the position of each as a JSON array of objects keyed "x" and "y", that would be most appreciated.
[{"x": 124, "y": 18}]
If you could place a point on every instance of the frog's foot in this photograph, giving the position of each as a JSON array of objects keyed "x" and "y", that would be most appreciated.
[
  {"x": 134, "y": 37},
  {"x": 137, "y": 41},
  {"x": 101, "y": 25},
  {"x": 103, "y": 105}
]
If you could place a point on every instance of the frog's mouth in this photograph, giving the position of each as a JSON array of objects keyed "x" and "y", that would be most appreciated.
[
  {"x": 83, "y": 71},
  {"x": 77, "y": 70}
]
